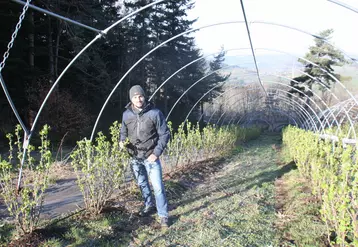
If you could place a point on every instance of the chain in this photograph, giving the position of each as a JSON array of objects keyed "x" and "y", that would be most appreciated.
[{"x": 13, "y": 36}]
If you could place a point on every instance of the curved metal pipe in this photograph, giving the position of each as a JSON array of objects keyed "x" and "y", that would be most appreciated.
[
  {"x": 27, "y": 140},
  {"x": 305, "y": 32},
  {"x": 183, "y": 33},
  {"x": 303, "y": 111},
  {"x": 269, "y": 73},
  {"x": 269, "y": 109},
  {"x": 192, "y": 85},
  {"x": 274, "y": 110},
  {"x": 292, "y": 94},
  {"x": 293, "y": 101},
  {"x": 344, "y": 5},
  {"x": 142, "y": 58}
]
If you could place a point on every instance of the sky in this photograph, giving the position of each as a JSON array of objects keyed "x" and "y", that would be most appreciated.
[{"x": 309, "y": 15}]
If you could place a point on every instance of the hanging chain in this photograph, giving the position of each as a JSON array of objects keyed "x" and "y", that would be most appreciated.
[{"x": 13, "y": 36}]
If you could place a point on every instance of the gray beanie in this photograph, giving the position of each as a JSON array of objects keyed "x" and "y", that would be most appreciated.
[{"x": 136, "y": 90}]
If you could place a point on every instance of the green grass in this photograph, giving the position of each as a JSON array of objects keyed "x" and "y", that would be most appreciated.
[
  {"x": 235, "y": 207},
  {"x": 6, "y": 232},
  {"x": 299, "y": 221},
  {"x": 227, "y": 202}
]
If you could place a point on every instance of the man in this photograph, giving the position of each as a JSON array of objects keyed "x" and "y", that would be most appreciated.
[{"x": 148, "y": 135}]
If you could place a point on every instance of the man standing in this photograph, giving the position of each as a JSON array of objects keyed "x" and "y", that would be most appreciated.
[{"x": 148, "y": 134}]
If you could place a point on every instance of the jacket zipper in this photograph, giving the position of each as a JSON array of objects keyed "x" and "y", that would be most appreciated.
[{"x": 138, "y": 125}]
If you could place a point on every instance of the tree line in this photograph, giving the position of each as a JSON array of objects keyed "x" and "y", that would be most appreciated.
[{"x": 45, "y": 45}]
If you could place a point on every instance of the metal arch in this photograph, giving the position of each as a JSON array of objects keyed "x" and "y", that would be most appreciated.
[
  {"x": 270, "y": 74},
  {"x": 296, "y": 96},
  {"x": 329, "y": 125},
  {"x": 231, "y": 96},
  {"x": 80, "y": 53},
  {"x": 283, "y": 85},
  {"x": 188, "y": 64},
  {"x": 232, "y": 66},
  {"x": 217, "y": 98},
  {"x": 344, "y": 5},
  {"x": 181, "y": 34},
  {"x": 296, "y": 104},
  {"x": 266, "y": 108},
  {"x": 324, "y": 103},
  {"x": 277, "y": 110},
  {"x": 269, "y": 109},
  {"x": 316, "y": 65},
  {"x": 305, "y": 32},
  {"x": 143, "y": 57},
  {"x": 352, "y": 97},
  {"x": 333, "y": 109},
  {"x": 301, "y": 117},
  {"x": 59, "y": 16},
  {"x": 304, "y": 112},
  {"x": 249, "y": 103},
  {"x": 299, "y": 110},
  {"x": 202, "y": 78},
  {"x": 293, "y": 103},
  {"x": 197, "y": 102},
  {"x": 313, "y": 111},
  {"x": 28, "y": 137}
]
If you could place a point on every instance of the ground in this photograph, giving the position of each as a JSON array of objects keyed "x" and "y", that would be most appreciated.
[{"x": 241, "y": 200}]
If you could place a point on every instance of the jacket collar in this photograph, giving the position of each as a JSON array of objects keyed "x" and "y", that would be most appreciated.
[{"x": 149, "y": 105}]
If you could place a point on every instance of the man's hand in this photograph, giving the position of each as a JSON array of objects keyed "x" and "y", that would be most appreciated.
[
  {"x": 152, "y": 158},
  {"x": 121, "y": 145}
]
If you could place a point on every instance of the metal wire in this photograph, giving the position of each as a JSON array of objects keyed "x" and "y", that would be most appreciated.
[
  {"x": 58, "y": 16},
  {"x": 252, "y": 48},
  {"x": 3, "y": 62},
  {"x": 344, "y": 5},
  {"x": 14, "y": 34}
]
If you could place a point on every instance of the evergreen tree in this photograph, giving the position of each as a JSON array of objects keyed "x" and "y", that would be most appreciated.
[{"x": 325, "y": 56}]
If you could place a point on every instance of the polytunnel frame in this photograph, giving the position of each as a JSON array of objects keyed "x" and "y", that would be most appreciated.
[
  {"x": 279, "y": 51},
  {"x": 324, "y": 103},
  {"x": 28, "y": 134},
  {"x": 237, "y": 86},
  {"x": 236, "y": 102},
  {"x": 307, "y": 121},
  {"x": 212, "y": 25},
  {"x": 298, "y": 113},
  {"x": 255, "y": 116},
  {"x": 220, "y": 95},
  {"x": 304, "y": 111},
  {"x": 291, "y": 102},
  {"x": 314, "y": 102},
  {"x": 283, "y": 113}
]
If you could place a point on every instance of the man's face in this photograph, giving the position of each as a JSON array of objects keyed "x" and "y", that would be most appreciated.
[{"x": 138, "y": 101}]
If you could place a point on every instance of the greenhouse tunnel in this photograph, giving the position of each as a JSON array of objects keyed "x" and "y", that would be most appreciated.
[{"x": 266, "y": 100}]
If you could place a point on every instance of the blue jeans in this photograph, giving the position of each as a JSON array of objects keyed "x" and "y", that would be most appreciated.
[{"x": 143, "y": 169}]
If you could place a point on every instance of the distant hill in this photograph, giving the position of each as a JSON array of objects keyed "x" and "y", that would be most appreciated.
[{"x": 280, "y": 65}]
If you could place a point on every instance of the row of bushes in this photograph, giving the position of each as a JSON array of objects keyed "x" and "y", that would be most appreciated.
[
  {"x": 99, "y": 166},
  {"x": 333, "y": 174},
  {"x": 191, "y": 144}
]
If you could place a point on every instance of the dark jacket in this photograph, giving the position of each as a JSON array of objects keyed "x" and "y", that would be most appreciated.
[{"x": 147, "y": 131}]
